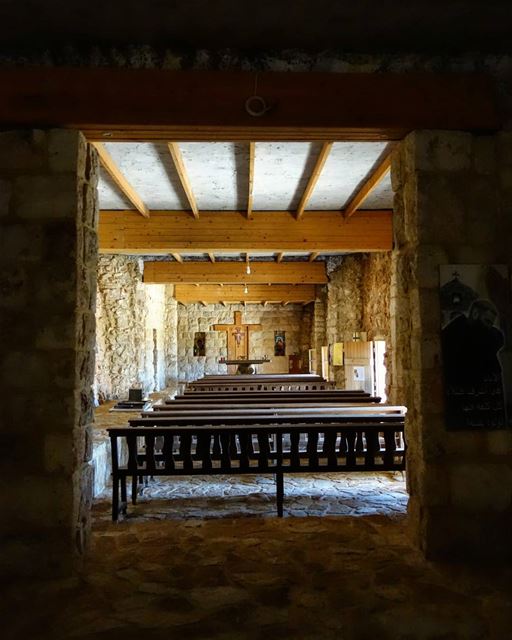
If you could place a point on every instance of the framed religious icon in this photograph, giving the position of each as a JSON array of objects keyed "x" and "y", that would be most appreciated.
[
  {"x": 200, "y": 343},
  {"x": 476, "y": 334},
  {"x": 279, "y": 343}
]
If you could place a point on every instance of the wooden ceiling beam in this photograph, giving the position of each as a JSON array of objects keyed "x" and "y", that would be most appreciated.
[
  {"x": 252, "y": 151},
  {"x": 153, "y": 104},
  {"x": 375, "y": 176},
  {"x": 177, "y": 158},
  {"x": 235, "y": 293},
  {"x": 120, "y": 181},
  {"x": 324, "y": 154},
  {"x": 167, "y": 232},
  {"x": 158, "y": 272}
]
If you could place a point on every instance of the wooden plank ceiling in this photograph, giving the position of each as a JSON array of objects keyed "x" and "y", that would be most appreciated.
[
  {"x": 264, "y": 194},
  {"x": 263, "y": 197}
]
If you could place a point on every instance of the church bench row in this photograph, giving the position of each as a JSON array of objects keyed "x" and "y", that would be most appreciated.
[
  {"x": 262, "y": 376},
  {"x": 218, "y": 410},
  {"x": 173, "y": 447},
  {"x": 248, "y": 404},
  {"x": 261, "y": 386},
  {"x": 240, "y": 391},
  {"x": 256, "y": 379},
  {"x": 265, "y": 397}
]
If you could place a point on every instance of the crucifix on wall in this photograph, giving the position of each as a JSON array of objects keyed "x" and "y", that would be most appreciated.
[{"x": 238, "y": 336}]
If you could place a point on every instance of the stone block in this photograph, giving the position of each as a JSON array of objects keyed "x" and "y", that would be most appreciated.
[
  {"x": 484, "y": 154},
  {"x": 480, "y": 487},
  {"x": 499, "y": 442},
  {"x": 15, "y": 286},
  {"x": 429, "y": 258},
  {"x": 434, "y": 487},
  {"x": 55, "y": 331},
  {"x": 439, "y": 151},
  {"x": 22, "y": 151},
  {"x": 47, "y": 502},
  {"x": 64, "y": 149},
  {"x": 504, "y": 148},
  {"x": 58, "y": 452},
  {"x": 45, "y": 197},
  {"x": 5, "y": 197},
  {"x": 397, "y": 177},
  {"x": 441, "y": 210},
  {"x": 21, "y": 243}
]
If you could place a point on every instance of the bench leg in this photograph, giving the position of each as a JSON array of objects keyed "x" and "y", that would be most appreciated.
[
  {"x": 134, "y": 489},
  {"x": 115, "y": 498},
  {"x": 279, "y": 493},
  {"x": 124, "y": 501}
]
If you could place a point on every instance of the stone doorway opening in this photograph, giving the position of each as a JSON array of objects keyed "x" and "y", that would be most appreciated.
[{"x": 350, "y": 296}]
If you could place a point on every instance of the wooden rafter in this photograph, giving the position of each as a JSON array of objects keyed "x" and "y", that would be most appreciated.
[
  {"x": 252, "y": 149},
  {"x": 177, "y": 257},
  {"x": 183, "y": 176},
  {"x": 121, "y": 182},
  {"x": 233, "y": 273},
  {"x": 279, "y": 257},
  {"x": 313, "y": 256},
  {"x": 235, "y": 293},
  {"x": 372, "y": 180},
  {"x": 212, "y": 257},
  {"x": 324, "y": 153},
  {"x": 217, "y": 231}
]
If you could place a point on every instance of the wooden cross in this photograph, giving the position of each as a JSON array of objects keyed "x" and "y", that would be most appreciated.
[{"x": 238, "y": 336}]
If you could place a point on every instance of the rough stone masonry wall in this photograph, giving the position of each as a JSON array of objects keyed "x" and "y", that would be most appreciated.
[
  {"x": 453, "y": 205},
  {"x": 128, "y": 315},
  {"x": 358, "y": 300},
  {"x": 294, "y": 319},
  {"x": 48, "y": 252}
]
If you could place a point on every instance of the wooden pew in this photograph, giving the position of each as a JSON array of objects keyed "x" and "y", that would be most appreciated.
[
  {"x": 259, "y": 382},
  {"x": 353, "y": 441},
  {"x": 262, "y": 398}
]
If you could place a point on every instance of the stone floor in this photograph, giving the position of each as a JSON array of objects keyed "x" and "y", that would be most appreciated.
[
  {"x": 246, "y": 496},
  {"x": 168, "y": 572}
]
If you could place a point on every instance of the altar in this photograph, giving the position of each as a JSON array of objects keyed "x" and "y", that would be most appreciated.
[
  {"x": 244, "y": 367},
  {"x": 238, "y": 336}
]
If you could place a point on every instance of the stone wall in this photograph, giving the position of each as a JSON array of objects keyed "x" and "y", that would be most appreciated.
[
  {"x": 48, "y": 253},
  {"x": 136, "y": 330},
  {"x": 294, "y": 319},
  {"x": 453, "y": 205},
  {"x": 358, "y": 300},
  {"x": 318, "y": 327}
]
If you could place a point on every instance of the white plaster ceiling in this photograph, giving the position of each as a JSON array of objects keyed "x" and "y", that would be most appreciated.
[{"x": 218, "y": 174}]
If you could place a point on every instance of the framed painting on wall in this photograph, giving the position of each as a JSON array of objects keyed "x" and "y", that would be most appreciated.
[
  {"x": 200, "y": 343},
  {"x": 279, "y": 343},
  {"x": 476, "y": 349}
]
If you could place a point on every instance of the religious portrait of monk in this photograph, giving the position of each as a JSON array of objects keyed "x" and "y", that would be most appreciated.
[
  {"x": 472, "y": 340},
  {"x": 279, "y": 343}
]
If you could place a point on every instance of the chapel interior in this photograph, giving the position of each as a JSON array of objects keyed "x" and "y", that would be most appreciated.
[{"x": 256, "y": 320}]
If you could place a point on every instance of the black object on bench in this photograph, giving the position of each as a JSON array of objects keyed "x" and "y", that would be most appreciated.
[{"x": 213, "y": 446}]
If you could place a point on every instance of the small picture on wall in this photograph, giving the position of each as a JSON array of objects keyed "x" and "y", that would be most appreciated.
[
  {"x": 279, "y": 343},
  {"x": 200, "y": 343}
]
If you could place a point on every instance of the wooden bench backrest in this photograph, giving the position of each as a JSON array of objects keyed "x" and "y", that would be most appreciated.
[{"x": 241, "y": 448}]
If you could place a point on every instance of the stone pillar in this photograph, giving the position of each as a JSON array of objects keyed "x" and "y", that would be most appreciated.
[
  {"x": 48, "y": 254},
  {"x": 453, "y": 205},
  {"x": 171, "y": 338}
]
